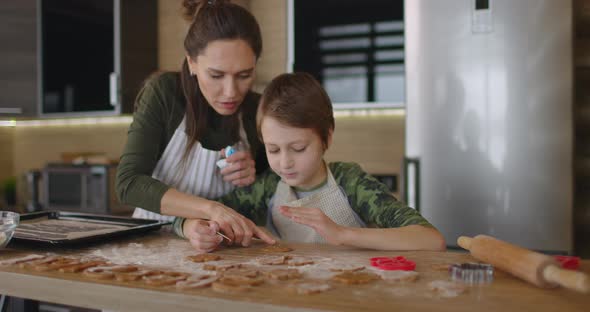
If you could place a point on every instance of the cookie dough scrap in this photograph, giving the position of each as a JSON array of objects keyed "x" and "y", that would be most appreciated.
[
  {"x": 203, "y": 258},
  {"x": 283, "y": 274},
  {"x": 308, "y": 288},
  {"x": 446, "y": 289},
  {"x": 355, "y": 278},
  {"x": 276, "y": 248},
  {"x": 441, "y": 266},
  {"x": 347, "y": 267},
  {"x": 399, "y": 276}
]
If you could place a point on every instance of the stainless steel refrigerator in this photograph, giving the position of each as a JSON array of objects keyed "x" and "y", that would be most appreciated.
[{"x": 489, "y": 119}]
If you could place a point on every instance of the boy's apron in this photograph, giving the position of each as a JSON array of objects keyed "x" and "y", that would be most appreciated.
[
  {"x": 330, "y": 200},
  {"x": 197, "y": 175}
]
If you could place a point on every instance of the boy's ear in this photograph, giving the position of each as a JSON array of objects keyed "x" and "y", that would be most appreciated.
[{"x": 330, "y": 135}]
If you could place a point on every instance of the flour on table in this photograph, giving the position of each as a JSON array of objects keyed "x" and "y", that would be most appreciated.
[
  {"x": 173, "y": 254},
  {"x": 446, "y": 289}
]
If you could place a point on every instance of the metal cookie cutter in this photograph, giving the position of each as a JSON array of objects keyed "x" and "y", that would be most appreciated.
[{"x": 472, "y": 273}]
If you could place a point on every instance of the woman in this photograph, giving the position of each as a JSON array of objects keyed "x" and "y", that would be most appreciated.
[{"x": 182, "y": 121}]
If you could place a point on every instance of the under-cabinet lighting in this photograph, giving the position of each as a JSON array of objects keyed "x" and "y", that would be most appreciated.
[
  {"x": 67, "y": 122},
  {"x": 369, "y": 112},
  {"x": 7, "y": 123}
]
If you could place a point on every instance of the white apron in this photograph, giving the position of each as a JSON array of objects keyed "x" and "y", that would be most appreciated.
[
  {"x": 198, "y": 175},
  {"x": 330, "y": 199}
]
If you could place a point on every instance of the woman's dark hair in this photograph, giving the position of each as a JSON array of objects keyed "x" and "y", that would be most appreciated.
[
  {"x": 297, "y": 100},
  {"x": 212, "y": 20}
]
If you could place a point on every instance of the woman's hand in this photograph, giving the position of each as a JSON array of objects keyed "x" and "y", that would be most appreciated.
[
  {"x": 235, "y": 226},
  {"x": 317, "y": 220},
  {"x": 202, "y": 234},
  {"x": 241, "y": 169}
]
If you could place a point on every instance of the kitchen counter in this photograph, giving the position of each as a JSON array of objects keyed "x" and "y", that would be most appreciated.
[{"x": 163, "y": 250}]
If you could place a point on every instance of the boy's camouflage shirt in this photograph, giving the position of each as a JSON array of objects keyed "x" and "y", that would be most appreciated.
[{"x": 368, "y": 197}]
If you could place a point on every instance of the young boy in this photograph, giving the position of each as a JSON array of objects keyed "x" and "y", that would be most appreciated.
[{"x": 303, "y": 199}]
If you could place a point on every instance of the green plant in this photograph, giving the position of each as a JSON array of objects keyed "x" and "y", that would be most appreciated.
[{"x": 9, "y": 190}]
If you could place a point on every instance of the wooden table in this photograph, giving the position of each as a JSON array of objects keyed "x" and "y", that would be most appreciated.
[{"x": 506, "y": 293}]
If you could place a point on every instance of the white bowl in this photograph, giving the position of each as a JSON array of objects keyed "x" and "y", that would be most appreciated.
[{"x": 8, "y": 222}]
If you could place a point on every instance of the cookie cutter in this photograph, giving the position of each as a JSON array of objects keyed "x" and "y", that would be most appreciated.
[
  {"x": 568, "y": 262},
  {"x": 393, "y": 263},
  {"x": 472, "y": 273}
]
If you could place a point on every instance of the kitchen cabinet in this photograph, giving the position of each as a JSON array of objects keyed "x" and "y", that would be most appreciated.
[
  {"x": 75, "y": 57},
  {"x": 18, "y": 58}
]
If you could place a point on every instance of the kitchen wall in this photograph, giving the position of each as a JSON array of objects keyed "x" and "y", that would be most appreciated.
[
  {"x": 375, "y": 142},
  {"x": 6, "y": 152}
]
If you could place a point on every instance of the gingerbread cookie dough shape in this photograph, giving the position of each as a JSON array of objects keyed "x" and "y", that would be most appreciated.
[
  {"x": 273, "y": 260},
  {"x": 165, "y": 278},
  {"x": 196, "y": 281},
  {"x": 242, "y": 276},
  {"x": 18, "y": 260},
  {"x": 81, "y": 266},
  {"x": 108, "y": 272},
  {"x": 308, "y": 288},
  {"x": 283, "y": 274},
  {"x": 299, "y": 261},
  {"x": 34, "y": 263},
  {"x": 347, "y": 267},
  {"x": 355, "y": 278},
  {"x": 399, "y": 276},
  {"x": 220, "y": 267},
  {"x": 135, "y": 275},
  {"x": 203, "y": 258},
  {"x": 276, "y": 248}
]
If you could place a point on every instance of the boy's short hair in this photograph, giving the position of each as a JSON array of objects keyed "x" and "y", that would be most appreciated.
[{"x": 297, "y": 100}]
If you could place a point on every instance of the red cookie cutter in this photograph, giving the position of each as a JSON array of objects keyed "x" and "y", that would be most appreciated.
[
  {"x": 568, "y": 262},
  {"x": 393, "y": 263}
]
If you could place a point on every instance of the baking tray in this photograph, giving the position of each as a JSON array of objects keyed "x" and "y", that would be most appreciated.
[{"x": 65, "y": 228}]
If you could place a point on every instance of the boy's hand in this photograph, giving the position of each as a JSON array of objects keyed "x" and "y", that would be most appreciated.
[
  {"x": 235, "y": 226},
  {"x": 316, "y": 219},
  {"x": 202, "y": 234}
]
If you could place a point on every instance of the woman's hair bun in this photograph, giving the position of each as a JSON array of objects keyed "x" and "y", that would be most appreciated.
[{"x": 192, "y": 7}]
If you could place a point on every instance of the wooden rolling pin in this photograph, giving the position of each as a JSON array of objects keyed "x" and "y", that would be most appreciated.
[{"x": 533, "y": 267}]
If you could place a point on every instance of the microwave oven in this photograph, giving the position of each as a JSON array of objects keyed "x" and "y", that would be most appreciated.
[{"x": 79, "y": 188}]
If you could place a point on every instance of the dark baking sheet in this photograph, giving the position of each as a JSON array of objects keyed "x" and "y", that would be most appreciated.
[{"x": 65, "y": 228}]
